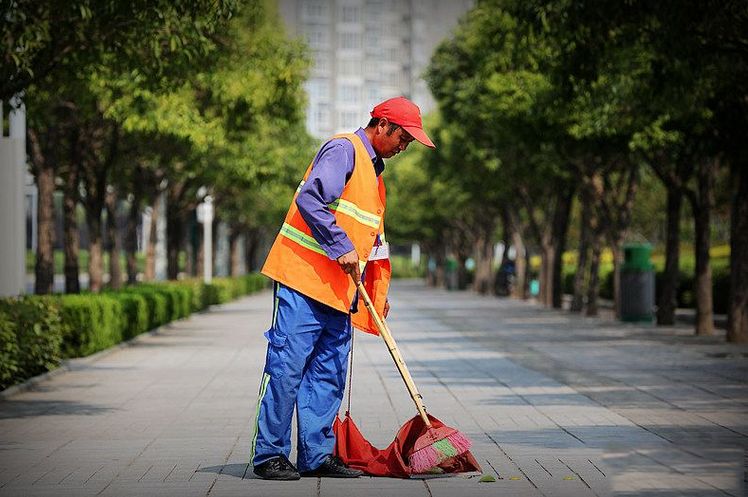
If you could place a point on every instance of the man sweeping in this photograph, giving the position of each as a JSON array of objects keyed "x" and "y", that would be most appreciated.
[{"x": 333, "y": 230}]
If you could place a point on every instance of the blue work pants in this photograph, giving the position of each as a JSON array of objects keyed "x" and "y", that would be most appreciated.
[{"x": 305, "y": 367}]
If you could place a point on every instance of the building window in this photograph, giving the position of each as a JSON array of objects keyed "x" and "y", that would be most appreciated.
[
  {"x": 373, "y": 36},
  {"x": 318, "y": 89},
  {"x": 349, "y": 119},
  {"x": 321, "y": 62},
  {"x": 374, "y": 9},
  {"x": 350, "y": 41},
  {"x": 318, "y": 37},
  {"x": 350, "y": 94},
  {"x": 391, "y": 54},
  {"x": 392, "y": 31},
  {"x": 350, "y": 13},
  {"x": 349, "y": 67},
  {"x": 314, "y": 9},
  {"x": 372, "y": 91},
  {"x": 322, "y": 116}
]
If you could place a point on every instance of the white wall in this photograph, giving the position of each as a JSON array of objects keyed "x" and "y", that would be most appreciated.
[{"x": 12, "y": 205}]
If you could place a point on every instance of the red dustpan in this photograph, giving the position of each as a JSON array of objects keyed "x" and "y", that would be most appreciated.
[
  {"x": 356, "y": 452},
  {"x": 411, "y": 452}
]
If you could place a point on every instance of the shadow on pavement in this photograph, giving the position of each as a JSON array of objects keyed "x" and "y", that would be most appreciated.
[
  {"x": 15, "y": 409},
  {"x": 240, "y": 471}
]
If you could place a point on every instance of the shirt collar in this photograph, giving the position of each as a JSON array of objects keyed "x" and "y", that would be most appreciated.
[{"x": 375, "y": 160}]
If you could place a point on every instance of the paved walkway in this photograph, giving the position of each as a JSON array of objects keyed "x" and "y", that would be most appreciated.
[{"x": 555, "y": 404}]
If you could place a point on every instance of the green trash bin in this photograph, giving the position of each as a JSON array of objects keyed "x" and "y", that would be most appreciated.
[{"x": 637, "y": 283}]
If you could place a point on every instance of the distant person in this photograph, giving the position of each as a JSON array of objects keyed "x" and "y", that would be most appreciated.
[{"x": 333, "y": 231}]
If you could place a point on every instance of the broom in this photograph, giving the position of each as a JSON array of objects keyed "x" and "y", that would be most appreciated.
[{"x": 437, "y": 444}]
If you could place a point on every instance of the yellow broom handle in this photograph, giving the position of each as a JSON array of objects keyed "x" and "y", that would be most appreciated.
[{"x": 384, "y": 331}]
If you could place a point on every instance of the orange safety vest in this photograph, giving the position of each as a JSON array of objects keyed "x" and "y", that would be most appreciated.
[{"x": 298, "y": 261}]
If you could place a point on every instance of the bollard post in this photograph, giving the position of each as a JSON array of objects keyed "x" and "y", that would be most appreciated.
[{"x": 205, "y": 216}]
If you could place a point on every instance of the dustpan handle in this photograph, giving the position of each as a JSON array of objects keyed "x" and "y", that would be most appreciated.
[{"x": 384, "y": 331}]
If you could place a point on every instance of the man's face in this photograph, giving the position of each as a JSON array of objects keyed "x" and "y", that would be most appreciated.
[{"x": 389, "y": 143}]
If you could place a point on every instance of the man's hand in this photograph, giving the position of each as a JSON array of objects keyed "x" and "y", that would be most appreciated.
[
  {"x": 386, "y": 308},
  {"x": 349, "y": 264}
]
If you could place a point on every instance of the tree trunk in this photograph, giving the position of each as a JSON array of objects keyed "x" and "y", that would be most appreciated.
[
  {"x": 95, "y": 259},
  {"x": 548, "y": 261},
  {"x": 72, "y": 234},
  {"x": 483, "y": 251},
  {"x": 235, "y": 254},
  {"x": 214, "y": 247},
  {"x": 577, "y": 302},
  {"x": 558, "y": 236},
  {"x": 150, "y": 250},
  {"x": 737, "y": 329},
  {"x": 200, "y": 257},
  {"x": 44, "y": 169},
  {"x": 506, "y": 236},
  {"x": 115, "y": 248},
  {"x": 214, "y": 250},
  {"x": 189, "y": 246},
  {"x": 45, "y": 269},
  {"x": 253, "y": 250},
  {"x": 189, "y": 258},
  {"x": 101, "y": 141},
  {"x": 668, "y": 291},
  {"x": 520, "y": 266},
  {"x": 462, "y": 273},
  {"x": 617, "y": 249},
  {"x": 70, "y": 220},
  {"x": 131, "y": 240},
  {"x": 702, "y": 222},
  {"x": 593, "y": 290},
  {"x": 440, "y": 274},
  {"x": 174, "y": 235}
]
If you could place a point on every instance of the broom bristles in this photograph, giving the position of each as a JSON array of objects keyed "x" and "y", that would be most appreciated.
[
  {"x": 432, "y": 455},
  {"x": 424, "y": 459},
  {"x": 460, "y": 442}
]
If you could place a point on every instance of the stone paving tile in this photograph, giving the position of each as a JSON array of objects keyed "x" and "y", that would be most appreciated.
[
  {"x": 372, "y": 486},
  {"x": 138, "y": 489},
  {"x": 51, "y": 491},
  {"x": 259, "y": 488},
  {"x": 555, "y": 404}
]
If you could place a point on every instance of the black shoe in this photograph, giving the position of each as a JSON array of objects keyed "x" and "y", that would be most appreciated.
[
  {"x": 277, "y": 468},
  {"x": 332, "y": 467}
]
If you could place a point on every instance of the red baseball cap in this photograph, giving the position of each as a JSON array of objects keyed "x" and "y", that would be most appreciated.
[{"x": 401, "y": 111}]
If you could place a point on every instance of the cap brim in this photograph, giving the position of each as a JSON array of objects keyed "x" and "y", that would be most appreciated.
[{"x": 419, "y": 135}]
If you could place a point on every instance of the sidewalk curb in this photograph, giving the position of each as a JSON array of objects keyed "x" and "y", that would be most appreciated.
[{"x": 80, "y": 362}]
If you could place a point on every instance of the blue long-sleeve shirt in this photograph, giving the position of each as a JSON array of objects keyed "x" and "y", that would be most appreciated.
[{"x": 331, "y": 170}]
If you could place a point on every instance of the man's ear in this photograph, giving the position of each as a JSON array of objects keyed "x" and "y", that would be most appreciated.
[{"x": 383, "y": 122}]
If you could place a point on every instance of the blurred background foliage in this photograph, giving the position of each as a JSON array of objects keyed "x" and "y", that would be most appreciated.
[{"x": 565, "y": 129}]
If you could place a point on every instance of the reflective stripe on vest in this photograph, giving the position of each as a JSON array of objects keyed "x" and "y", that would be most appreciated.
[
  {"x": 350, "y": 209},
  {"x": 298, "y": 236}
]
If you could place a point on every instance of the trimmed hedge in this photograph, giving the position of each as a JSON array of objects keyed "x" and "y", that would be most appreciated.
[
  {"x": 92, "y": 323},
  {"x": 158, "y": 313},
  {"x": 134, "y": 313},
  {"x": 36, "y": 332},
  {"x": 222, "y": 290},
  {"x": 31, "y": 334},
  {"x": 197, "y": 293}
]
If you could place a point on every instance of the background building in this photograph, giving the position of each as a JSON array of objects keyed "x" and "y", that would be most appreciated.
[{"x": 365, "y": 52}]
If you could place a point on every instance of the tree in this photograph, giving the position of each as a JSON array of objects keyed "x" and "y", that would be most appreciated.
[
  {"x": 488, "y": 81},
  {"x": 737, "y": 330},
  {"x": 55, "y": 55},
  {"x": 233, "y": 127},
  {"x": 45, "y": 40},
  {"x": 684, "y": 68}
]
